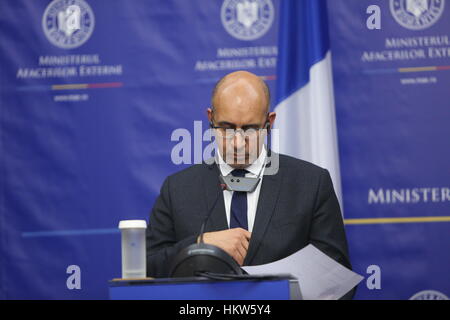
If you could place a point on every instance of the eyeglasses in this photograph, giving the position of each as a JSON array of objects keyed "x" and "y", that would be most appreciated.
[{"x": 246, "y": 131}]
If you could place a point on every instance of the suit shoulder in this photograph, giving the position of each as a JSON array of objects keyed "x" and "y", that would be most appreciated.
[
  {"x": 304, "y": 173},
  {"x": 291, "y": 163},
  {"x": 189, "y": 173}
]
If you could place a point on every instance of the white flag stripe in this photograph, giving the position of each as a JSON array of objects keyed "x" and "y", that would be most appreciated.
[{"x": 306, "y": 122}]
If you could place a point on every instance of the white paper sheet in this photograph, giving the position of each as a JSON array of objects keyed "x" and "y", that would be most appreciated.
[{"x": 319, "y": 276}]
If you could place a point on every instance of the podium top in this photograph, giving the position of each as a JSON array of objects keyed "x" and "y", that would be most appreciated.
[{"x": 146, "y": 281}]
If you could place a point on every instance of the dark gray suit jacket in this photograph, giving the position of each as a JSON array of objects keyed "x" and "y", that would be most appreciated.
[{"x": 296, "y": 207}]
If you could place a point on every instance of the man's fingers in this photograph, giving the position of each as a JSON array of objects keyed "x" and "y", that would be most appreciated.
[
  {"x": 234, "y": 241},
  {"x": 242, "y": 250},
  {"x": 245, "y": 244},
  {"x": 238, "y": 257},
  {"x": 239, "y": 250},
  {"x": 244, "y": 232}
]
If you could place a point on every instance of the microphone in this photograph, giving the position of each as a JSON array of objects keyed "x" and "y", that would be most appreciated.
[{"x": 202, "y": 229}]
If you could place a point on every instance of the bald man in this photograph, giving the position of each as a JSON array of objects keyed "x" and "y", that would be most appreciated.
[{"x": 286, "y": 211}]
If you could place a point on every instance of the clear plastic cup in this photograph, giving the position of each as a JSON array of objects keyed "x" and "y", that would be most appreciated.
[{"x": 133, "y": 248}]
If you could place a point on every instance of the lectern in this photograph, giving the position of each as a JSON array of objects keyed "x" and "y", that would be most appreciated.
[{"x": 200, "y": 288}]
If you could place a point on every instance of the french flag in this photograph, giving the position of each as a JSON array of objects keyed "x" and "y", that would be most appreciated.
[{"x": 306, "y": 120}]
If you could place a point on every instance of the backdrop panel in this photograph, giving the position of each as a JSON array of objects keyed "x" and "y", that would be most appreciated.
[
  {"x": 86, "y": 120},
  {"x": 86, "y": 127},
  {"x": 393, "y": 112}
]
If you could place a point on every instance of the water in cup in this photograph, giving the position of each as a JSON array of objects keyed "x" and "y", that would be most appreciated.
[{"x": 133, "y": 248}]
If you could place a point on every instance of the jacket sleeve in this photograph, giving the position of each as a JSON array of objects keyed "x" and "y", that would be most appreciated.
[
  {"x": 162, "y": 245},
  {"x": 327, "y": 227}
]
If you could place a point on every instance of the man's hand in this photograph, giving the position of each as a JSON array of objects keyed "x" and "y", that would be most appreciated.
[{"x": 233, "y": 241}]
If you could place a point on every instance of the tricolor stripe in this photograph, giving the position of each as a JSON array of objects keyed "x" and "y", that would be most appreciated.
[
  {"x": 395, "y": 220},
  {"x": 79, "y": 86},
  {"x": 406, "y": 70}
]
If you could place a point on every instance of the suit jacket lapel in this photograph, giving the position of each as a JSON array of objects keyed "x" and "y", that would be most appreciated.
[
  {"x": 211, "y": 184},
  {"x": 268, "y": 198}
]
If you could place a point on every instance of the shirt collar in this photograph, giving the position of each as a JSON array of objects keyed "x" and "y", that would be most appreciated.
[{"x": 254, "y": 168}]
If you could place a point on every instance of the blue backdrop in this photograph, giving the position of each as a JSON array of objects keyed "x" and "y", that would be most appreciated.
[{"x": 86, "y": 124}]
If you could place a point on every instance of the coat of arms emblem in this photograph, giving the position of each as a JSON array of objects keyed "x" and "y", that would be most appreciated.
[
  {"x": 68, "y": 23},
  {"x": 247, "y": 19},
  {"x": 417, "y": 14}
]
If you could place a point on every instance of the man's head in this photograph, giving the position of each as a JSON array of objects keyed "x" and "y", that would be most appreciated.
[{"x": 240, "y": 100}]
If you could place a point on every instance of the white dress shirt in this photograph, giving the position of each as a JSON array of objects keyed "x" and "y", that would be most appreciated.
[{"x": 252, "y": 197}]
